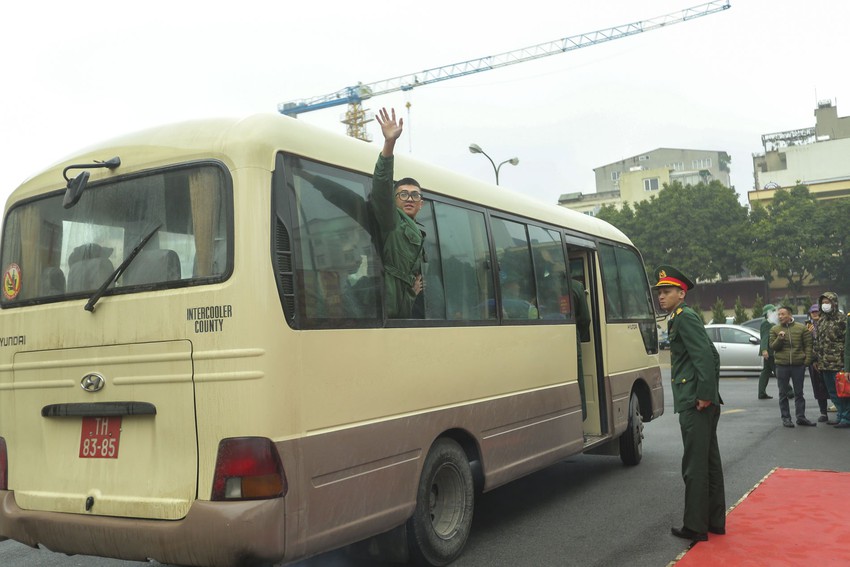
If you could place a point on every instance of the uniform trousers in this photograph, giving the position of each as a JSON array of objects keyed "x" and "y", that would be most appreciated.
[
  {"x": 702, "y": 470},
  {"x": 767, "y": 370}
]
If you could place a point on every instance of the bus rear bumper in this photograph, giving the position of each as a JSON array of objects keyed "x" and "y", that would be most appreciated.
[{"x": 216, "y": 534}]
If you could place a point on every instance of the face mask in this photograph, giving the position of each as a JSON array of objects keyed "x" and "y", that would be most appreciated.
[
  {"x": 826, "y": 307},
  {"x": 773, "y": 317}
]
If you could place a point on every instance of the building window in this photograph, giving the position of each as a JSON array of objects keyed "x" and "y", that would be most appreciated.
[
  {"x": 704, "y": 163},
  {"x": 676, "y": 166},
  {"x": 643, "y": 158},
  {"x": 650, "y": 184},
  {"x": 615, "y": 176}
]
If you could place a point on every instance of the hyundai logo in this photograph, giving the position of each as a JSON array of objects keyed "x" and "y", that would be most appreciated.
[{"x": 92, "y": 383}]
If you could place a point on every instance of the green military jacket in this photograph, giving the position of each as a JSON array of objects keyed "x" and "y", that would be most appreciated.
[
  {"x": 764, "y": 332},
  {"x": 401, "y": 243},
  {"x": 695, "y": 363}
]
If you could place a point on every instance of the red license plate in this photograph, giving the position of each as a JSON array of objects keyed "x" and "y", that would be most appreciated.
[{"x": 99, "y": 437}]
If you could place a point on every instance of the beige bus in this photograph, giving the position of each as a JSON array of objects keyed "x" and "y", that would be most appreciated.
[{"x": 196, "y": 366}]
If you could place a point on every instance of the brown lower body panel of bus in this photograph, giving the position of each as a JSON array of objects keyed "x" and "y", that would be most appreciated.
[{"x": 217, "y": 534}]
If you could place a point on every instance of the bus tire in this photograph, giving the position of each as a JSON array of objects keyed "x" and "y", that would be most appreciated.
[
  {"x": 441, "y": 521},
  {"x": 631, "y": 441}
]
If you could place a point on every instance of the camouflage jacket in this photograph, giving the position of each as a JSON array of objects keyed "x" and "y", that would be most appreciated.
[{"x": 832, "y": 329}]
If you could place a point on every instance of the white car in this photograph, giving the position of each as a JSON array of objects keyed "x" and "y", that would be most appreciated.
[{"x": 738, "y": 347}]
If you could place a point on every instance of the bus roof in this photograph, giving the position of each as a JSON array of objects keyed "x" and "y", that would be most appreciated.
[{"x": 253, "y": 141}]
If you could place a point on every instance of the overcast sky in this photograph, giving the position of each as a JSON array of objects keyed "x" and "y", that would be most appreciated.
[{"x": 79, "y": 72}]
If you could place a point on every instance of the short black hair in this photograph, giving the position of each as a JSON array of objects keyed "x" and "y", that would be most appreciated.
[{"x": 406, "y": 181}]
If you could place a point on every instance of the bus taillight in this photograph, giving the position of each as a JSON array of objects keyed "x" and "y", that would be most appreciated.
[
  {"x": 4, "y": 465},
  {"x": 248, "y": 468}
]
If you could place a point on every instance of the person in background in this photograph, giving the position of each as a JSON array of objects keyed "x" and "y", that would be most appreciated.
[
  {"x": 832, "y": 357},
  {"x": 818, "y": 388},
  {"x": 768, "y": 368},
  {"x": 771, "y": 318},
  {"x": 582, "y": 316},
  {"x": 695, "y": 376},
  {"x": 792, "y": 352}
]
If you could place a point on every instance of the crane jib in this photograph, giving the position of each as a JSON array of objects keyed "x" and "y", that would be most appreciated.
[{"x": 360, "y": 92}]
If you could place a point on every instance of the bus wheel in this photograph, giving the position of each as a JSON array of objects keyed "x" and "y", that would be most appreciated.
[
  {"x": 441, "y": 522},
  {"x": 631, "y": 441}
]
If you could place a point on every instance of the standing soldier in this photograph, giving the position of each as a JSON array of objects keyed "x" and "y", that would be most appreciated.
[
  {"x": 695, "y": 375},
  {"x": 770, "y": 319}
]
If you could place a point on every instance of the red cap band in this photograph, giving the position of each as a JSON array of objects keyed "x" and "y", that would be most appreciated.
[{"x": 671, "y": 281}]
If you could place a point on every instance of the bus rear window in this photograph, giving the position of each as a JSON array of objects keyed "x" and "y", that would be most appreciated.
[{"x": 51, "y": 253}]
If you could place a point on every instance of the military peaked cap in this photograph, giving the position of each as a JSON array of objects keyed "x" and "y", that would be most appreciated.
[{"x": 670, "y": 276}]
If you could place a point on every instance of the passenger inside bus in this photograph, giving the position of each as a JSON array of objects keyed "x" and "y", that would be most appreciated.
[
  {"x": 357, "y": 288},
  {"x": 389, "y": 217},
  {"x": 516, "y": 304},
  {"x": 396, "y": 206}
]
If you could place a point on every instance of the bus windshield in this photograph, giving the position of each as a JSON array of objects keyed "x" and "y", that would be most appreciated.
[{"x": 51, "y": 253}]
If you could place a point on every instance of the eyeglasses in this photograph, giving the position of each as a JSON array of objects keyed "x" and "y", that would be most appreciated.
[{"x": 416, "y": 196}]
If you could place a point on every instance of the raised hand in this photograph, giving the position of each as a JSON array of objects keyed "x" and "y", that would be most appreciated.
[{"x": 390, "y": 128}]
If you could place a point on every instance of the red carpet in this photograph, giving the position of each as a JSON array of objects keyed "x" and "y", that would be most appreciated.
[{"x": 793, "y": 517}]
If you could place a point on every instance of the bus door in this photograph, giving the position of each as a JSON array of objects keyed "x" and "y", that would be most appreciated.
[{"x": 581, "y": 268}]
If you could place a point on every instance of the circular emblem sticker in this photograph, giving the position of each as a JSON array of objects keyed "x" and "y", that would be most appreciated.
[{"x": 12, "y": 281}]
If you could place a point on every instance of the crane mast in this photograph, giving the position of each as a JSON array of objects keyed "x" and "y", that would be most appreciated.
[{"x": 356, "y": 118}]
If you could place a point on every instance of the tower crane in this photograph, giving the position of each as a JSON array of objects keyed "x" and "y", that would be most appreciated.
[{"x": 356, "y": 118}]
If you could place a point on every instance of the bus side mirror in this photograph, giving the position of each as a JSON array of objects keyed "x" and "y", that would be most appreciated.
[
  {"x": 75, "y": 189},
  {"x": 77, "y": 185}
]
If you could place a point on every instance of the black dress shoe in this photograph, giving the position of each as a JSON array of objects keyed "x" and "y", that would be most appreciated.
[
  {"x": 765, "y": 397},
  {"x": 804, "y": 421},
  {"x": 686, "y": 533},
  {"x": 718, "y": 531},
  {"x": 787, "y": 423}
]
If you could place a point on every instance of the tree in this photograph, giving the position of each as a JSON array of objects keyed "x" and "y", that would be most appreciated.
[
  {"x": 696, "y": 307},
  {"x": 623, "y": 218},
  {"x": 740, "y": 312},
  {"x": 718, "y": 312},
  {"x": 786, "y": 239},
  {"x": 834, "y": 269},
  {"x": 701, "y": 229},
  {"x": 758, "y": 307}
]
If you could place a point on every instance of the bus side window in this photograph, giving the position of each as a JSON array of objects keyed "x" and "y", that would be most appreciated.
[
  {"x": 627, "y": 297},
  {"x": 464, "y": 258},
  {"x": 434, "y": 295},
  {"x": 516, "y": 276},
  {"x": 336, "y": 261},
  {"x": 553, "y": 292}
]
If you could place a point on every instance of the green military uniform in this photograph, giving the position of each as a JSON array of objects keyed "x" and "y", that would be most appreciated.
[
  {"x": 695, "y": 375},
  {"x": 767, "y": 368},
  {"x": 401, "y": 246}
]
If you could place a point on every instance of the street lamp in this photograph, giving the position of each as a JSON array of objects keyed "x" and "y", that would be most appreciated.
[{"x": 476, "y": 149}]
